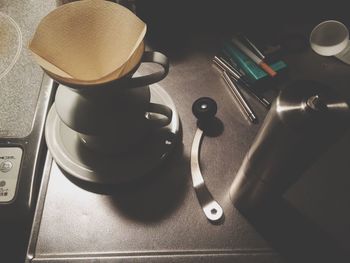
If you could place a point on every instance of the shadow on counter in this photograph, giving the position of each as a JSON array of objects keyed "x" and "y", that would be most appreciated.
[
  {"x": 150, "y": 198},
  {"x": 294, "y": 236},
  {"x": 155, "y": 197}
]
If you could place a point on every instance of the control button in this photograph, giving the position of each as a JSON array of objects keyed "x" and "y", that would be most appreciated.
[
  {"x": 10, "y": 163},
  {"x": 5, "y": 166}
]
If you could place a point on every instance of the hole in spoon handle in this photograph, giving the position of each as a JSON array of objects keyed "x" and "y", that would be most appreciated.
[{"x": 213, "y": 211}]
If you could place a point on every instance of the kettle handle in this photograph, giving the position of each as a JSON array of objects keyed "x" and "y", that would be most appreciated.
[{"x": 152, "y": 57}]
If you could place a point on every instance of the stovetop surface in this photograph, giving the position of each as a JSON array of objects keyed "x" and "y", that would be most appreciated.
[{"x": 20, "y": 76}]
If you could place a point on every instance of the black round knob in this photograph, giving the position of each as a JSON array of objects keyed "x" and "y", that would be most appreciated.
[{"x": 204, "y": 108}]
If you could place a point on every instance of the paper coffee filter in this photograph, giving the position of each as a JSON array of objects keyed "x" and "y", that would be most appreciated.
[
  {"x": 88, "y": 40},
  {"x": 127, "y": 67},
  {"x": 52, "y": 68}
]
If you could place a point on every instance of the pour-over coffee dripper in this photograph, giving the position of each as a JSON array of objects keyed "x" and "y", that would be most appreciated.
[{"x": 103, "y": 121}]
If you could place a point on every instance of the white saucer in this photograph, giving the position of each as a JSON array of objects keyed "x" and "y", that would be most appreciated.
[{"x": 90, "y": 167}]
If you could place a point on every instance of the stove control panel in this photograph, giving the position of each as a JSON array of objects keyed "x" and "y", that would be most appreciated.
[{"x": 10, "y": 162}]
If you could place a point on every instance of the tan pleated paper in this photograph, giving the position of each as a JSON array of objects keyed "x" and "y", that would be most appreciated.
[{"x": 90, "y": 41}]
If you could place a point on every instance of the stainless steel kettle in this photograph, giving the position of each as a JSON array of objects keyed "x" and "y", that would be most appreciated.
[{"x": 305, "y": 119}]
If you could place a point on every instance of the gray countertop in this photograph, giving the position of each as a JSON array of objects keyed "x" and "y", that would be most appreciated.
[{"x": 161, "y": 220}]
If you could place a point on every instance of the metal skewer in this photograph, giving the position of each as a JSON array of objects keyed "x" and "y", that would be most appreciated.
[
  {"x": 259, "y": 53},
  {"x": 224, "y": 65},
  {"x": 244, "y": 106},
  {"x": 220, "y": 63},
  {"x": 259, "y": 98}
]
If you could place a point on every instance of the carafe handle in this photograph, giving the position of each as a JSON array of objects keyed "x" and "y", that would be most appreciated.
[{"x": 152, "y": 57}]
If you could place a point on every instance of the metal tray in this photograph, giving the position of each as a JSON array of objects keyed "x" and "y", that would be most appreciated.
[{"x": 160, "y": 220}]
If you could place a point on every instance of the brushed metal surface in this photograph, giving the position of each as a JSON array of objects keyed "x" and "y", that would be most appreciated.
[
  {"x": 303, "y": 122},
  {"x": 161, "y": 216},
  {"x": 159, "y": 220}
]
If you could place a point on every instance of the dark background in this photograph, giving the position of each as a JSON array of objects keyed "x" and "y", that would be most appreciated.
[{"x": 175, "y": 19}]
